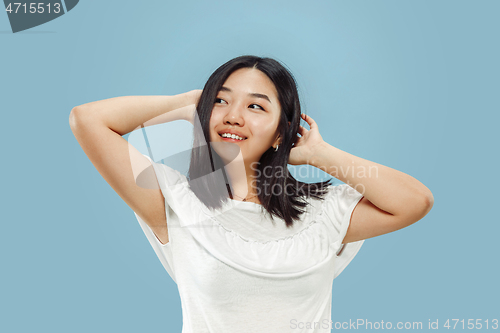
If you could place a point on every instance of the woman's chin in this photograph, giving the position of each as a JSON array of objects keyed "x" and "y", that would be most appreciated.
[{"x": 228, "y": 151}]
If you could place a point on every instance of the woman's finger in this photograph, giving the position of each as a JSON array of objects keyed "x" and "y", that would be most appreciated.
[
  {"x": 310, "y": 121},
  {"x": 306, "y": 118},
  {"x": 302, "y": 130}
]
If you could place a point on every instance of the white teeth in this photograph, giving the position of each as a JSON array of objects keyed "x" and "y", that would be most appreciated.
[{"x": 232, "y": 136}]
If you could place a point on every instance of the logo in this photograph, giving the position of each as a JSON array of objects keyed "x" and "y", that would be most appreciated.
[{"x": 25, "y": 15}]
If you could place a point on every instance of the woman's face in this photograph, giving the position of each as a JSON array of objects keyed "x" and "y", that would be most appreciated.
[{"x": 247, "y": 105}]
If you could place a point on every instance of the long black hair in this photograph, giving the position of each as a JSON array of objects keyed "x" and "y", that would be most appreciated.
[{"x": 207, "y": 176}]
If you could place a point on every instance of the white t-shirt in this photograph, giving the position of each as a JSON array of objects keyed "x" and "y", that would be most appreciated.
[{"x": 237, "y": 271}]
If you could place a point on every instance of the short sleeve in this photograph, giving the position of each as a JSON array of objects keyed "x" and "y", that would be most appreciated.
[
  {"x": 338, "y": 206},
  {"x": 166, "y": 178}
]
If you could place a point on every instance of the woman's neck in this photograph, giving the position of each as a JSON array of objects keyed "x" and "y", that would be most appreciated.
[{"x": 242, "y": 180}]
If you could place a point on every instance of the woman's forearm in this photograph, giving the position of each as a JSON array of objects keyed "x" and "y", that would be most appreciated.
[
  {"x": 127, "y": 113},
  {"x": 390, "y": 190}
]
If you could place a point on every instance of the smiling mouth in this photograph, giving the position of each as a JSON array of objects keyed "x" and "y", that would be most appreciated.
[{"x": 231, "y": 139}]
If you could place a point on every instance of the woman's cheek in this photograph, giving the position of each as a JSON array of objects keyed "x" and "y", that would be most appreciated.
[{"x": 265, "y": 131}]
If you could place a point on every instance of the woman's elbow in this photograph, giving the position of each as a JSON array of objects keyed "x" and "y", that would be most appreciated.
[
  {"x": 77, "y": 115},
  {"x": 73, "y": 117},
  {"x": 425, "y": 205},
  {"x": 419, "y": 208}
]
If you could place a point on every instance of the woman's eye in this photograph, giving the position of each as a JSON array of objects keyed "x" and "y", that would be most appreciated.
[
  {"x": 220, "y": 100},
  {"x": 258, "y": 106}
]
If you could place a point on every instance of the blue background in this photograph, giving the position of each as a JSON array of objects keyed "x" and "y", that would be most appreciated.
[{"x": 412, "y": 85}]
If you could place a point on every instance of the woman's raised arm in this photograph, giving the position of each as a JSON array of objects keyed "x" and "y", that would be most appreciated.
[
  {"x": 127, "y": 113},
  {"x": 98, "y": 128}
]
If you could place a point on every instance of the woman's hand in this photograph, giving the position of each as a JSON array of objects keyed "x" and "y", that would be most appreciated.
[
  {"x": 304, "y": 149},
  {"x": 194, "y": 97}
]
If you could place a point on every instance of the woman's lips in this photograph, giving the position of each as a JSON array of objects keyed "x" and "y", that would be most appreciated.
[{"x": 231, "y": 139}]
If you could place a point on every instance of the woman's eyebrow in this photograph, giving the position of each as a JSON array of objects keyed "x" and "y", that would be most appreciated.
[{"x": 257, "y": 95}]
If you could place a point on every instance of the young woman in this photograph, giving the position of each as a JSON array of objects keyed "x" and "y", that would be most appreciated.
[{"x": 250, "y": 247}]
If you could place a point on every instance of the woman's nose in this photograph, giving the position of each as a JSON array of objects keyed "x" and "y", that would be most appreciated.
[{"x": 234, "y": 116}]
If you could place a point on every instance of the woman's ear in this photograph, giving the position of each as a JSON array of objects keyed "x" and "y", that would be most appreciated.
[{"x": 277, "y": 142}]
